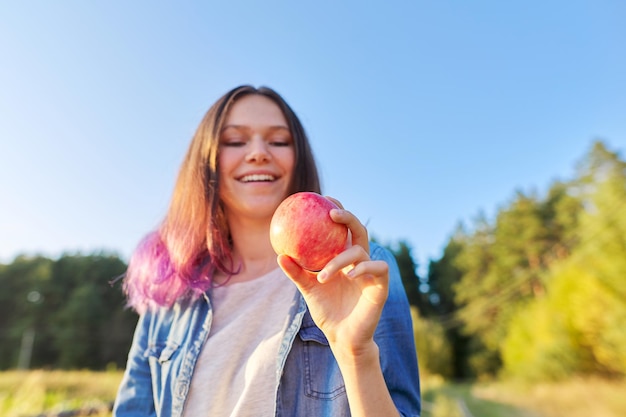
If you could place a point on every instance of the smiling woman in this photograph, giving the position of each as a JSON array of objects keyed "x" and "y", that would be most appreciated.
[
  {"x": 228, "y": 327},
  {"x": 256, "y": 159}
]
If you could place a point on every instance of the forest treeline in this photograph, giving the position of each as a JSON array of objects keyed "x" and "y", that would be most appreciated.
[
  {"x": 64, "y": 313},
  {"x": 538, "y": 291}
]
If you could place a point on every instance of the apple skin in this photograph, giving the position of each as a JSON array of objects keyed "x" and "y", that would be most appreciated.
[{"x": 301, "y": 228}]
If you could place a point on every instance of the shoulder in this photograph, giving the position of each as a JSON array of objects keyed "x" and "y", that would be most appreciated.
[
  {"x": 381, "y": 253},
  {"x": 182, "y": 313}
]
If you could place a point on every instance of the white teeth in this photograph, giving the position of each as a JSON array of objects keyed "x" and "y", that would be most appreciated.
[{"x": 258, "y": 177}]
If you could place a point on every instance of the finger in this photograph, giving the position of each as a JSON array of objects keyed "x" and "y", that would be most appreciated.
[
  {"x": 378, "y": 270},
  {"x": 373, "y": 277},
  {"x": 345, "y": 261},
  {"x": 299, "y": 276},
  {"x": 357, "y": 229}
]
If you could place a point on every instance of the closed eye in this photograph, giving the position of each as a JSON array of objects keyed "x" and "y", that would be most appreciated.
[
  {"x": 280, "y": 143},
  {"x": 235, "y": 144}
]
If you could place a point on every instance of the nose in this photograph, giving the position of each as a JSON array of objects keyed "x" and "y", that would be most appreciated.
[{"x": 258, "y": 150}]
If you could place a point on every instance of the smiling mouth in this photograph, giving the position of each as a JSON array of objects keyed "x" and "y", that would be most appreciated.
[{"x": 258, "y": 178}]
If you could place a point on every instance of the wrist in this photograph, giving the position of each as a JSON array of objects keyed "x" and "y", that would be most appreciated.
[{"x": 356, "y": 356}]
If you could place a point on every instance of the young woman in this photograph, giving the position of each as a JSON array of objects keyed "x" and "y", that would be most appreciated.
[{"x": 226, "y": 327}]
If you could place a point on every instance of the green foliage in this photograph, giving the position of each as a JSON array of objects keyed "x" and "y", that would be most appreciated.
[
  {"x": 539, "y": 289},
  {"x": 540, "y": 345},
  {"x": 78, "y": 319},
  {"x": 22, "y": 287},
  {"x": 443, "y": 276},
  {"x": 504, "y": 264},
  {"x": 577, "y": 328},
  {"x": 434, "y": 350},
  {"x": 410, "y": 279}
]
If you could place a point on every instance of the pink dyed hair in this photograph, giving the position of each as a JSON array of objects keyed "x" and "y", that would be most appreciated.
[{"x": 193, "y": 241}]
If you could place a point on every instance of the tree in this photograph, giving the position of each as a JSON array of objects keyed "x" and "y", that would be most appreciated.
[
  {"x": 443, "y": 276},
  {"x": 22, "y": 308},
  {"x": 77, "y": 318},
  {"x": 89, "y": 304},
  {"x": 577, "y": 327},
  {"x": 504, "y": 264},
  {"x": 408, "y": 273},
  {"x": 435, "y": 354}
]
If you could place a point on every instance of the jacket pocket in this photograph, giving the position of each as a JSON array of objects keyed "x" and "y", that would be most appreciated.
[{"x": 322, "y": 378}]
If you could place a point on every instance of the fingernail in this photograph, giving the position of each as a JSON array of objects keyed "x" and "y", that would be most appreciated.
[{"x": 321, "y": 277}]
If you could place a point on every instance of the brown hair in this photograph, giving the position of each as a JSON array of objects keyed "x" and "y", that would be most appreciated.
[{"x": 193, "y": 239}]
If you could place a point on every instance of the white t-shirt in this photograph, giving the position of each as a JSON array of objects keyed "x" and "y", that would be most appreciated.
[{"x": 237, "y": 373}]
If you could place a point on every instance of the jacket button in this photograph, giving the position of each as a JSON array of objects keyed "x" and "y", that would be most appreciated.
[{"x": 181, "y": 388}]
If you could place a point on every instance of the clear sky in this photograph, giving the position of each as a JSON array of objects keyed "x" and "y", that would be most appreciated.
[{"x": 421, "y": 113}]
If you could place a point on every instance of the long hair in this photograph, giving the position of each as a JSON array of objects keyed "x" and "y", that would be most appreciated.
[{"x": 193, "y": 241}]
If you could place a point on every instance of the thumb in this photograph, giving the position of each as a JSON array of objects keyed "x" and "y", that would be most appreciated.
[{"x": 299, "y": 276}]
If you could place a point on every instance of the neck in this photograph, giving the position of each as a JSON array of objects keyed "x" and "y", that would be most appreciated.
[{"x": 252, "y": 250}]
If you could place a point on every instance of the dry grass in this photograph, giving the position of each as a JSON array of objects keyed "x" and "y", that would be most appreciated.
[
  {"x": 576, "y": 397},
  {"x": 25, "y": 394},
  {"x": 28, "y": 394}
]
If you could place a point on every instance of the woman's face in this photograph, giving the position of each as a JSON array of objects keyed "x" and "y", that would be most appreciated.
[{"x": 256, "y": 158}]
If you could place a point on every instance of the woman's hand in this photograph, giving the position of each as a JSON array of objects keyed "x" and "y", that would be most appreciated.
[{"x": 347, "y": 296}]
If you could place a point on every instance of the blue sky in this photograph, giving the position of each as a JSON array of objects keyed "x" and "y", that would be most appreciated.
[{"x": 421, "y": 113}]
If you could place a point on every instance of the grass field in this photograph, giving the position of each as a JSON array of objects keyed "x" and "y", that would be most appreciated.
[
  {"x": 573, "y": 398},
  {"x": 29, "y": 394},
  {"x": 576, "y": 397},
  {"x": 442, "y": 399}
]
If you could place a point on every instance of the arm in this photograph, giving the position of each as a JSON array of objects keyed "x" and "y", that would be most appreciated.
[
  {"x": 366, "y": 389},
  {"x": 346, "y": 301},
  {"x": 395, "y": 338},
  {"x": 134, "y": 397}
]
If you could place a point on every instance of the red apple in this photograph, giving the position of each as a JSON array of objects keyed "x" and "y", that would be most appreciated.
[{"x": 302, "y": 229}]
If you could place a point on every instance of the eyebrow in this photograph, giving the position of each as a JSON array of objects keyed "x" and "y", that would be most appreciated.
[{"x": 245, "y": 127}]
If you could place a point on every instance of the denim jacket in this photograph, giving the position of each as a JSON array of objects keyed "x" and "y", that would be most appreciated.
[{"x": 167, "y": 343}]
